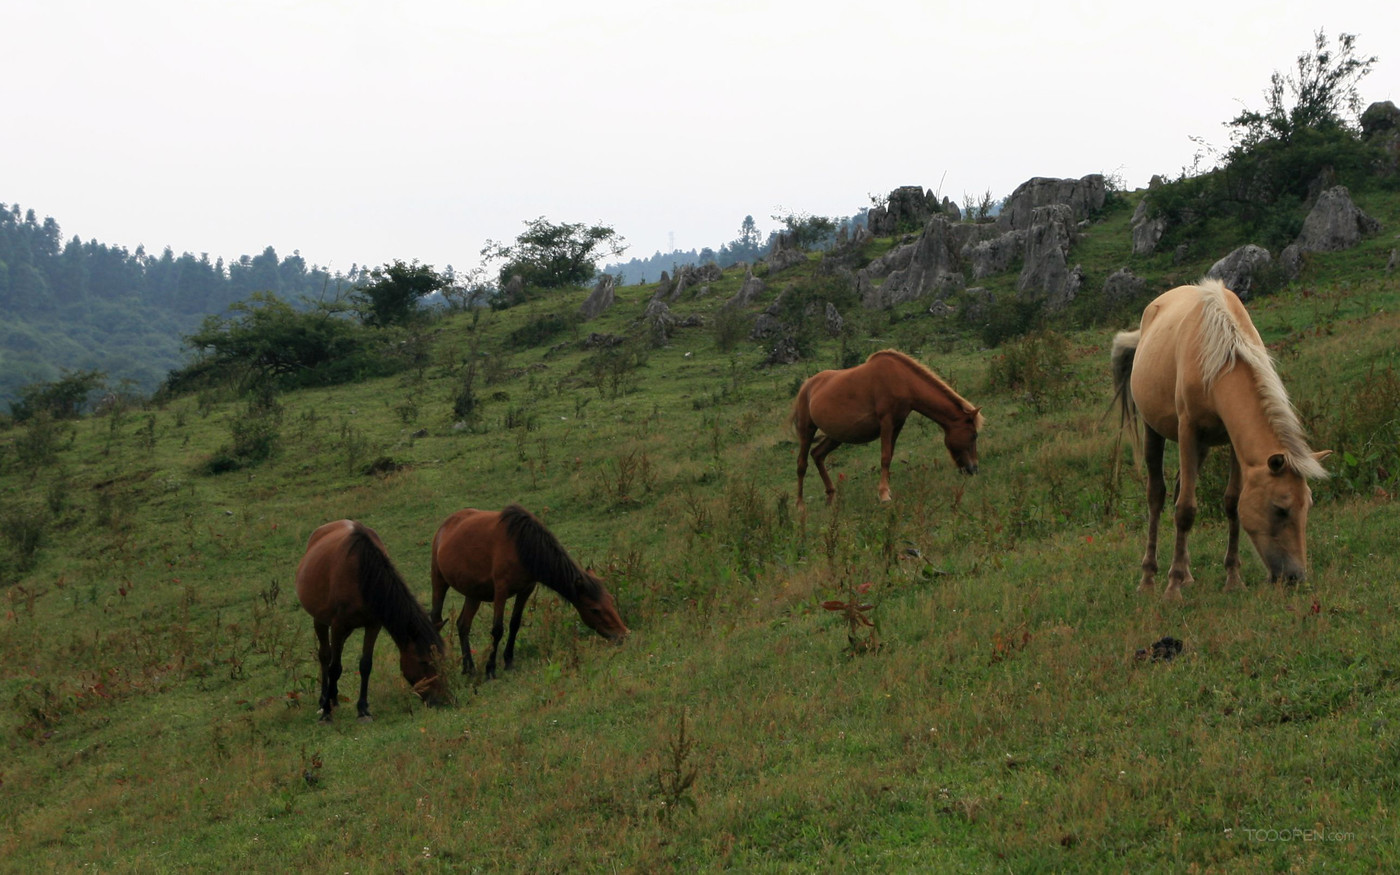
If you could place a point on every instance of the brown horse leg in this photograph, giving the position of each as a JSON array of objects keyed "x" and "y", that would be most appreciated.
[
  {"x": 819, "y": 454},
  {"x": 464, "y": 629},
  {"x": 1193, "y": 454},
  {"x": 517, "y": 613},
  {"x": 366, "y": 666},
  {"x": 1232, "y": 514},
  {"x": 323, "y": 654},
  {"x": 889, "y": 433},
  {"x": 498, "y": 628},
  {"x": 804, "y": 444},
  {"x": 1153, "y": 447}
]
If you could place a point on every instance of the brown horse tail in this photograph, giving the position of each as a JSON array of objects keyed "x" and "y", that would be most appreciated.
[
  {"x": 1124, "y": 351},
  {"x": 387, "y": 596},
  {"x": 544, "y": 558}
]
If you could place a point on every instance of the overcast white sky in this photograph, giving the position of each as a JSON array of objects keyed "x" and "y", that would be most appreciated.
[{"x": 362, "y": 132}]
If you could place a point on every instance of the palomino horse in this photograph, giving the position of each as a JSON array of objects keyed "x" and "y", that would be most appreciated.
[
  {"x": 1196, "y": 372},
  {"x": 346, "y": 582},
  {"x": 490, "y": 556},
  {"x": 872, "y": 400}
]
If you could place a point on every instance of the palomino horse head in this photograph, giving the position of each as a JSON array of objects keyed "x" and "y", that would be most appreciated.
[
  {"x": 960, "y": 437},
  {"x": 1274, "y": 502},
  {"x": 424, "y": 673},
  {"x": 600, "y": 614}
]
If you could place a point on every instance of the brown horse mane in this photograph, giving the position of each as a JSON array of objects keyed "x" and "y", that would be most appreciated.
[
  {"x": 929, "y": 376},
  {"x": 545, "y": 559},
  {"x": 1223, "y": 344},
  {"x": 388, "y": 597}
]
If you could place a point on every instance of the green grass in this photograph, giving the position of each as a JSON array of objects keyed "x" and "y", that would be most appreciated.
[{"x": 159, "y": 678}]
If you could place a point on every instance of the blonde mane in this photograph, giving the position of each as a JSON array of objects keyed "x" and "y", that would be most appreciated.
[
  {"x": 1223, "y": 343},
  {"x": 939, "y": 382}
]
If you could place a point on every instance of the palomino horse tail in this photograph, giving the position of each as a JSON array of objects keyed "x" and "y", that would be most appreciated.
[
  {"x": 544, "y": 558},
  {"x": 387, "y": 596},
  {"x": 1124, "y": 351}
]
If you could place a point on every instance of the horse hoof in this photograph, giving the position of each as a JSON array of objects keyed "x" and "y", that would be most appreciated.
[
  {"x": 1171, "y": 594},
  {"x": 365, "y": 718}
]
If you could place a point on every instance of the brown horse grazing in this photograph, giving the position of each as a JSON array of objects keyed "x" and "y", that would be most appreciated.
[
  {"x": 872, "y": 400},
  {"x": 492, "y": 556},
  {"x": 1196, "y": 372},
  {"x": 346, "y": 582}
]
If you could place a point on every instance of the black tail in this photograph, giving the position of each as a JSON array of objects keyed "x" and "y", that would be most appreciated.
[
  {"x": 388, "y": 597},
  {"x": 544, "y": 558}
]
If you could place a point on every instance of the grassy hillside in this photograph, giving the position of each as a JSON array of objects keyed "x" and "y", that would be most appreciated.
[{"x": 159, "y": 679}]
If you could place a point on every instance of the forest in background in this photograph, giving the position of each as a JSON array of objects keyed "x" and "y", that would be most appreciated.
[{"x": 80, "y": 305}]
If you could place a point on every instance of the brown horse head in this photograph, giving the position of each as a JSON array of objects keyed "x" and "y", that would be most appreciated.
[
  {"x": 960, "y": 437},
  {"x": 1274, "y": 503},
  {"x": 424, "y": 673},
  {"x": 598, "y": 610}
]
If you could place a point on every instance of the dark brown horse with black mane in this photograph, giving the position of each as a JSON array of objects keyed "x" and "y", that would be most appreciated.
[
  {"x": 872, "y": 400},
  {"x": 346, "y": 582},
  {"x": 491, "y": 556}
]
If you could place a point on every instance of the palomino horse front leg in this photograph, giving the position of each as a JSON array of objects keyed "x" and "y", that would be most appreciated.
[
  {"x": 1153, "y": 446},
  {"x": 819, "y": 454},
  {"x": 516, "y": 615},
  {"x": 1232, "y": 515},
  {"x": 1193, "y": 453},
  {"x": 464, "y": 630},
  {"x": 366, "y": 666}
]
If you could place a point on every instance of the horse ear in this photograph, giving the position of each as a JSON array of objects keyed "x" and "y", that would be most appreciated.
[
  {"x": 1277, "y": 463},
  {"x": 1320, "y": 455}
]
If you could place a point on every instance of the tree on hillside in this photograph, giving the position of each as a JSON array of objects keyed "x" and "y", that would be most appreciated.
[
  {"x": 267, "y": 340},
  {"x": 551, "y": 256},
  {"x": 392, "y": 296},
  {"x": 1314, "y": 98},
  {"x": 807, "y": 231},
  {"x": 1280, "y": 155}
]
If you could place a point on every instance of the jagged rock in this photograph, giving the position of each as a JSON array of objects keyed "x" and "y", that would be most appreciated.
[
  {"x": 1147, "y": 231},
  {"x": 1123, "y": 286},
  {"x": 1335, "y": 223},
  {"x": 1239, "y": 269},
  {"x": 784, "y": 352},
  {"x": 694, "y": 320},
  {"x": 1290, "y": 261},
  {"x": 908, "y": 206},
  {"x": 1083, "y": 196},
  {"x": 660, "y": 322},
  {"x": 748, "y": 292},
  {"x": 596, "y": 340},
  {"x": 996, "y": 255},
  {"x": 663, "y": 288},
  {"x": 766, "y": 325},
  {"x": 1380, "y": 126},
  {"x": 931, "y": 269},
  {"x": 1394, "y": 261},
  {"x": 600, "y": 299},
  {"x": 835, "y": 324},
  {"x": 1180, "y": 254},
  {"x": 784, "y": 253},
  {"x": 1045, "y": 271}
]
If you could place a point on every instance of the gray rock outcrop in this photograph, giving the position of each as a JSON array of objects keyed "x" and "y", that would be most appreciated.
[
  {"x": 1083, "y": 196},
  {"x": 600, "y": 299},
  {"x": 1045, "y": 271},
  {"x": 1240, "y": 268},
  {"x": 1122, "y": 287},
  {"x": 748, "y": 292},
  {"x": 1335, "y": 223}
]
